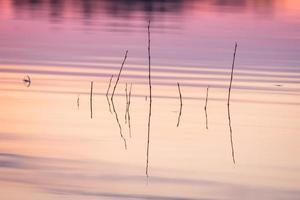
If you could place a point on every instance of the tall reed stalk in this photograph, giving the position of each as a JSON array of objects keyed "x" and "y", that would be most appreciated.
[
  {"x": 150, "y": 101},
  {"x": 228, "y": 105}
]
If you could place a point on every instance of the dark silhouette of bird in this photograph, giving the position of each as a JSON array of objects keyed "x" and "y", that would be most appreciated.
[{"x": 27, "y": 81}]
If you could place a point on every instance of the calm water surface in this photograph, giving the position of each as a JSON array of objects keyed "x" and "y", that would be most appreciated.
[{"x": 51, "y": 149}]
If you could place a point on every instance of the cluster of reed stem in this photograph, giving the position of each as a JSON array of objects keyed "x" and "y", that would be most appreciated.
[{"x": 128, "y": 100}]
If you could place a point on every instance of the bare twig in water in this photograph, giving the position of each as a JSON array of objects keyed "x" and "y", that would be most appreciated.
[
  {"x": 150, "y": 102},
  {"x": 231, "y": 78},
  {"x": 228, "y": 104},
  {"x": 118, "y": 78},
  {"x": 128, "y": 110},
  {"x": 205, "y": 107},
  {"x": 180, "y": 97},
  {"x": 112, "y": 101},
  {"x": 27, "y": 81},
  {"x": 109, "y": 84},
  {"x": 108, "y": 92},
  {"x": 78, "y": 101},
  {"x": 91, "y": 99}
]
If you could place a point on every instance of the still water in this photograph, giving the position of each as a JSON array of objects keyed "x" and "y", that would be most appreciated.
[{"x": 50, "y": 148}]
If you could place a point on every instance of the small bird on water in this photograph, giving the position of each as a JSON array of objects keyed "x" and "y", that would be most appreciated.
[{"x": 27, "y": 81}]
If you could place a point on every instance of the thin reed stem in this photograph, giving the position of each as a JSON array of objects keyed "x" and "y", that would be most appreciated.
[
  {"x": 109, "y": 106},
  {"x": 150, "y": 102},
  {"x": 231, "y": 138},
  {"x": 118, "y": 78},
  {"x": 228, "y": 105},
  {"x": 91, "y": 99},
  {"x": 112, "y": 100},
  {"x": 128, "y": 110},
  {"x": 180, "y": 111},
  {"x": 231, "y": 77},
  {"x": 205, "y": 107},
  {"x": 118, "y": 122}
]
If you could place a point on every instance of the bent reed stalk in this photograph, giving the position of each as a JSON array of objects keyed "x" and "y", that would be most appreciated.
[
  {"x": 109, "y": 106},
  {"x": 112, "y": 100},
  {"x": 228, "y": 105}
]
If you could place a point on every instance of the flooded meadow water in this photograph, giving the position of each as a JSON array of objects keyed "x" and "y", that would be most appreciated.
[{"x": 50, "y": 148}]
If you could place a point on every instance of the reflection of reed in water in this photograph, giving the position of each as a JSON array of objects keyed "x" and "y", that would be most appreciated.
[
  {"x": 150, "y": 102},
  {"x": 180, "y": 110},
  {"x": 109, "y": 107},
  {"x": 117, "y": 119},
  {"x": 128, "y": 110},
  {"x": 91, "y": 99},
  {"x": 78, "y": 102},
  {"x": 205, "y": 108},
  {"x": 112, "y": 100},
  {"x": 231, "y": 138},
  {"x": 228, "y": 105}
]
